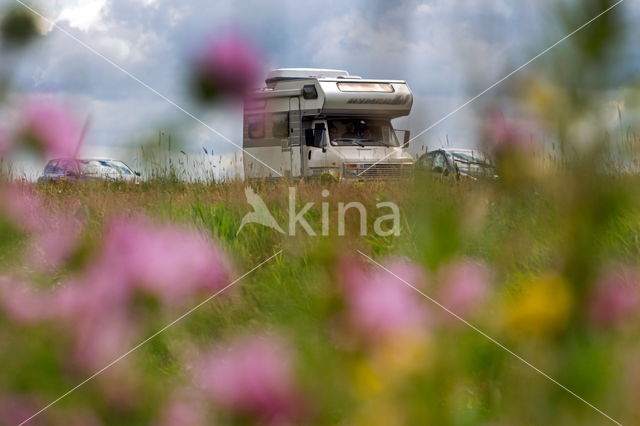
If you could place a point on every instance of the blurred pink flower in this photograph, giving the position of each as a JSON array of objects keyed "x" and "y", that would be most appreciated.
[
  {"x": 184, "y": 408},
  {"x": 464, "y": 288},
  {"x": 22, "y": 206},
  {"x": 228, "y": 65},
  {"x": 14, "y": 409},
  {"x": 171, "y": 262},
  {"x": 5, "y": 142},
  {"x": 54, "y": 242},
  {"x": 53, "y": 236},
  {"x": 22, "y": 303},
  {"x": 503, "y": 134},
  {"x": 102, "y": 339},
  {"x": 615, "y": 298},
  {"x": 379, "y": 305},
  {"x": 253, "y": 375},
  {"x": 55, "y": 130},
  {"x": 95, "y": 309}
]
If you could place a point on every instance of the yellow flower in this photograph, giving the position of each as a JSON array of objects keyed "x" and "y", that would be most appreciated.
[
  {"x": 377, "y": 412},
  {"x": 367, "y": 381},
  {"x": 542, "y": 95},
  {"x": 540, "y": 308},
  {"x": 402, "y": 355}
]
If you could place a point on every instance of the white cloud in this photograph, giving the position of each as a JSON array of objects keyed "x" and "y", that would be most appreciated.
[
  {"x": 82, "y": 14},
  {"x": 424, "y": 9}
]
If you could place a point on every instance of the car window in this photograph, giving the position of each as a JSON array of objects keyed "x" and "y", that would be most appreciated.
[
  {"x": 439, "y": 161},
  {"x": 67, "y": 166},
  {"x": 51, "y": 167},
  {"x": 120, "y": 167}
]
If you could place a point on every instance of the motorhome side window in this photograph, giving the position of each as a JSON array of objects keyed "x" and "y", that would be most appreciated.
[
  {"x": 255, "y": 126},
  {"x": 280, "y": 123}
]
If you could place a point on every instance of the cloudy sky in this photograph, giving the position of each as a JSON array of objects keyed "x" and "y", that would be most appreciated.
[{"x": 447, "y": 51}]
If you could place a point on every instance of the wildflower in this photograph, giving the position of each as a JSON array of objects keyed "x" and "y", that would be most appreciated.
[
  {"x": 95, "y": 309},
  {"x": 172, "y": 263},
  {"x": 14, "y": 409},
  {"x": 53, "y": 236},
  {"x": 50, "y": 129},
  {"x": 379, "y": 305},
  {"x": 540, "y": 308},
  {"x": 616, "y": 297},
  {"x": 183, "y": 408},
  {"x": 21, "y": 303},
  {"x": 229, "y": 65},
  {"x": 252, "y": 376},
  {"x": 504, "y": 135},
  {"x": 5, "y": 142},
  {"x": 465, "y": 287},
  {"x": 22, "y": 206}
]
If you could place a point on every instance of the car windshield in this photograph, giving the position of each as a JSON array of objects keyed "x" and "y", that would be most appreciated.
[
  {"x": 472, "y": 158},
  {"x": 361, "y": 132},
  {"x": 98, "y": 167}
]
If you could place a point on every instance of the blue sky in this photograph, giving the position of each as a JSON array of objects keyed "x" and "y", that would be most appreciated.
[{"x": 446, "y": 50}]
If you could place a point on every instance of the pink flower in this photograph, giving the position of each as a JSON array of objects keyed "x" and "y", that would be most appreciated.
[
  {"x": 53, "y": 236},
  {"x": 22, "y": 206},
  {"x": 54, "y": 242},
  {"x": 5, "y": 142},
  {"x": 101, "y": 339},
  {"x": 464, "y": 288},
  {"x": 14, "y": 409},
  {"x": 379, "y": 305},
  {"x": 96, "y": 310},
  {"x": 55, "y": 132},
  {"x": 184, "y": 408},
  {"x": 172, "y": 263},
  {"x": 616, "y": 297},
  {"x": 253, "y": 375},
  {"x": 21, "y": 303},
  {"x": 228, "y": 65},
  {"x": 505, "y": 135}
]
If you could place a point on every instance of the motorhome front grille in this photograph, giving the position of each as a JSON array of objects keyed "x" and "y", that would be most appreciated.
[{"x": 380, "y": 170}]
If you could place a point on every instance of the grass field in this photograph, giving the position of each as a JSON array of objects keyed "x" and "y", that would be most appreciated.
[{"x": 446, "y": 373}]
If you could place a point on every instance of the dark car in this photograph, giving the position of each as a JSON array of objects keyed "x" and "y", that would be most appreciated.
[
  {"x": 457, "y": 164},
  {"x": 83, "y": 169}
]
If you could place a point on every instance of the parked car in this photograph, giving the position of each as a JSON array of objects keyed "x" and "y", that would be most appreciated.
[
  {"x": 457, "y": 164},
  {"x": 84, "y": 169}
]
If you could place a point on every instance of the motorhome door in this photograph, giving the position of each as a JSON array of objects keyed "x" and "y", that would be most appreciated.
[{"x": 294, "y": 156}]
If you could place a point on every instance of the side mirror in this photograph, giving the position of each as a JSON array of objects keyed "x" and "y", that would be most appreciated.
[
  {"x": 71, "y": 173},
  {"x": 308, "y": 137},
  {"x": 315, "y": 137},
  {"x": 407, "y": 138},
  {"x": 318, "y": 136},
  {"x": 136, "y": 173}
]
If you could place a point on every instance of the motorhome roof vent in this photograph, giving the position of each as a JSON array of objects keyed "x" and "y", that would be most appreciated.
[{"x": 299, "y": 73}]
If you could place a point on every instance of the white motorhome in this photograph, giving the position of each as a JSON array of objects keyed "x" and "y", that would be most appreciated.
[{"x": 318, "y": 122}]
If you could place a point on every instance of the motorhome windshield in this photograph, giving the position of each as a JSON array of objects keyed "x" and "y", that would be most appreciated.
[{"x": 361, "y": 132}]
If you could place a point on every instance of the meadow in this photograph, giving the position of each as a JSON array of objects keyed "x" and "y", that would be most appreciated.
[
  {"x": 507, "y": 301},
  {"x": 551, "y": 277}
]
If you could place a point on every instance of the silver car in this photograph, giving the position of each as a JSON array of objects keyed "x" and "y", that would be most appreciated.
[
  {"x": 85, "y": 169},
  {"x": 458, "y": 164}
]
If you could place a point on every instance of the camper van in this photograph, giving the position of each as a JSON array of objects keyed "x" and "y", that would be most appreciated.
[{"x": 320, "y": 122}]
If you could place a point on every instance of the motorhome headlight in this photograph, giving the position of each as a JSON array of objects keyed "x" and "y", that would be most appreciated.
[{"x": 350, "y": 169}]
